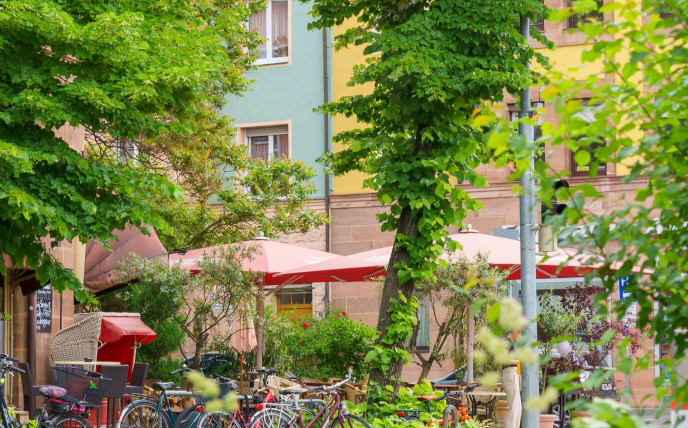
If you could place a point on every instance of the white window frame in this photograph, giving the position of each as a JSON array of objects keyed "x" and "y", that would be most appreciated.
[
  {"x": 269, "y": 131},
  {"x": 268, "y": 39},
  {"x": 249, "y": 129}
]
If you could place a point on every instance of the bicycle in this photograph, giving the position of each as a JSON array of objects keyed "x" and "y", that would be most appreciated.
[
  {"x": 241, "y": 419},
  {"x": 331, "y": 414},
  {"x": 452, "y": 414},
  {"x": 156, "y": 412},
  {"x": 66, "y": 411}
]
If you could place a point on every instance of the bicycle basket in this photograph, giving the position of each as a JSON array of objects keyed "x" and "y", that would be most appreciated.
[{"x": 81, "y": 385}]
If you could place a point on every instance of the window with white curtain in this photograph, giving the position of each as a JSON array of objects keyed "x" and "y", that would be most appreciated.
[
  {"x": 267, "y": 143},
  {"x": 273, "y": 26}
]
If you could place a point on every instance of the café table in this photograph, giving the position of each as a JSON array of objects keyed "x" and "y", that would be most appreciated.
[{"x": 492, "y": 396}]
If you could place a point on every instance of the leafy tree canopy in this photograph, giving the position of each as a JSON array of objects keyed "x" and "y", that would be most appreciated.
[
  {"x": 131, "y": 69},
  {"x": 640, "y": 117},
  {"x": 432, "y": 65}
]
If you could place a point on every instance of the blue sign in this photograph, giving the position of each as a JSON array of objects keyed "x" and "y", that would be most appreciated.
[{"x": 623, "y": 283}]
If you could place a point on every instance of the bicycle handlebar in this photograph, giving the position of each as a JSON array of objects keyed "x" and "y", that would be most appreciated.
[
  {"x": 347, "y": 379},
  {"x": 183, "y": 369},
  {"x": 7, "y": 363}
]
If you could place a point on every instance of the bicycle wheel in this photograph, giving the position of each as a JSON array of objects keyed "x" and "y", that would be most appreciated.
[
  {"x": 272, "y": 418},
  {"x": 350, "y": 421},
  {"x": 219, "y": 419},
  {"x": 70, "y": 421},
  {"x": 143, "y": 414}
]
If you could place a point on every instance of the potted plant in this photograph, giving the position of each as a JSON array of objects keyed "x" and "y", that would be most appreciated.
[{"x": 556, "y": 326}]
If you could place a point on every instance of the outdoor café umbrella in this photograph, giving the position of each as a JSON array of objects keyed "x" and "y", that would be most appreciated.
[
  {"x": 271, "y": 258},
  {"x": 243, "y": 339},
  {"x": 500, "y": 252}
]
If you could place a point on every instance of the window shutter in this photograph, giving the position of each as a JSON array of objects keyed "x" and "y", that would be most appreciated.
[{"x": 268, "y": 130}]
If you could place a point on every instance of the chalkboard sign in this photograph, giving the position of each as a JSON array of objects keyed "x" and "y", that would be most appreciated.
[{"x": 44, "y": 309}]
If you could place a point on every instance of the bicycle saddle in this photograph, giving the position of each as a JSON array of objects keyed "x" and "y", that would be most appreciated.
[
  {"x": 52, "y": 391},
  {"x": 426, "y": 397},
  {"x": 163, "y": 386},
  {"x": 290, "y": 391}
]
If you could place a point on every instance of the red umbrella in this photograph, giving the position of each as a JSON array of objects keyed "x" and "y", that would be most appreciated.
[
  {"x": 500, "y": 252},
  {"x": 243, "y": 339},
  {"x": 269, "y": 257}
]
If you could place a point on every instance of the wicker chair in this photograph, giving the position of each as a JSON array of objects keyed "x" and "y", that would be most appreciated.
[{"x": 483, "y": 407}]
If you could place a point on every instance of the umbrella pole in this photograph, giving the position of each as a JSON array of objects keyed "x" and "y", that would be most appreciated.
[
  {"x": 241, "y": 373},
  {"x": 260, "y": 309}
]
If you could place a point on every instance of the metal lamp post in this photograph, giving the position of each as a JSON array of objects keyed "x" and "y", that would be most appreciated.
[{"x": 530, "y": 373}]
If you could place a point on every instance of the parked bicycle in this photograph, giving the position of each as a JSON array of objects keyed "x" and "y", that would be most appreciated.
[
  {"x": 145, "y": 411},
  {"x": 452, "y": 414},
  {"x": 61, "y": 408},
  {"x": 334, "y": 413}
]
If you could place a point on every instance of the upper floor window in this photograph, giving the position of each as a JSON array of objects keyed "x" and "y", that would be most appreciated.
[
  {"x": 577, "y": 169},
  {"x": 266, "y": 143},
  {"x": 539, "y": 20},
  {"x": 581, "y": 18},
  {"x": 272, "y": 24}
]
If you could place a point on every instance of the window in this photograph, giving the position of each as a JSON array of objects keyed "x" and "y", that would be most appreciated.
[
  {"x": 267, "y": 143},
  {"x": 576, "y": 169},
  {"x": 273, "y": 26},
  {"x": 594, "y": 15},
  {"x": 539, "y": 20},
  {"x": 512, "y": 113},
  {"x": 423, "y": 338},
  {"x": 296, "y": 300}
]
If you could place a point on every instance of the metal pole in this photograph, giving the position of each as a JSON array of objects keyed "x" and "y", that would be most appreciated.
[{"x": 530, "y": 373}]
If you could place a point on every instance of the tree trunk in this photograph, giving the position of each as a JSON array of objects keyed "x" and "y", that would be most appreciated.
[
  {"x": 425, "y": 368},
  {"x": 408, "y": 225}
]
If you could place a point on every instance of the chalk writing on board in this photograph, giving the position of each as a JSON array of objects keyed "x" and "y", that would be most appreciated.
[{"x": 44, "y": 309}]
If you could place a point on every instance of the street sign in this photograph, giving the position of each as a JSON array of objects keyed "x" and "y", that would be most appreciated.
[{"x": 623, "y": 283}]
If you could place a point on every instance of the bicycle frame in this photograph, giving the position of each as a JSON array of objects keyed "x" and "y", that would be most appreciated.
[
  {"x": 3, "y": 404},
  {"x": 335, "y": 408}
]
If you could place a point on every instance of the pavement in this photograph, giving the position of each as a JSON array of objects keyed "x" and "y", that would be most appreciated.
[{"x": 648, "y": 415}]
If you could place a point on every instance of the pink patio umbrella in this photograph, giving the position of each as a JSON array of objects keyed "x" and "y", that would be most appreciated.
[
  {"x": 271, "y": 258},
  {"x": 243, "y": 339},
  {"x": 500, "y": 252}
]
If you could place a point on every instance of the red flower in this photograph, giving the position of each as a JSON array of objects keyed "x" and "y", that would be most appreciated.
[
  {"x": 305, "y": 324},
  {"x": 343, "y": 313}
]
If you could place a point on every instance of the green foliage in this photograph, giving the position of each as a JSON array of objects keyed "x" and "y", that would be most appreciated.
[
  {"x": 157, "y": 310},
  {"x": 403, "y": 315},
  {"x": 430, "y": 65},
  {"x": 208, "y": 297},
  {"x": 122, "y": 68},
  {"x": 213, "y": 170},
  {"x": 464, "y": 288},
  {"x": 435, "y": 63},
  {"x": 607, "y": 413},
  {"x": 556, "y": 322},
  {"x": 160, "y": 369},
  {"x": 640, "y": 116},
  {"x": 382, "y": 413},
  {"x": 324, "y": 347}
]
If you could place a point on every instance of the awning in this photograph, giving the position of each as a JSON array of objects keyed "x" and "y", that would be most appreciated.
[
  {"x": 115, "y": 328},
  {"x": 100, "y": 262}
]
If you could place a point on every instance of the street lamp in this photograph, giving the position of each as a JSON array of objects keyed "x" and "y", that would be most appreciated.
[{"x": 530, "y": 372}]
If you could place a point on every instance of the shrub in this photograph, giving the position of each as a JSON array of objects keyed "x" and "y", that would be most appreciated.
[{"x": 321, "y": 347}]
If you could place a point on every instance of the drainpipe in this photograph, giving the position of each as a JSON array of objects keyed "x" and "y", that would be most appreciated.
[
  {"x": 326, "y": 122},
  {"x": 31, "y": 333},
  {"x": 79, "y": 266}
]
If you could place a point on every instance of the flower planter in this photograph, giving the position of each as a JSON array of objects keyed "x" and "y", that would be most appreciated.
[
  {"x": 547, "y": 421},
  {"x": 501, "y": 412}
]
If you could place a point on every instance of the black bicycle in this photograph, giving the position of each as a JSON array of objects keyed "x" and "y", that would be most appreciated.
[{"x": 63, "y": 407}]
